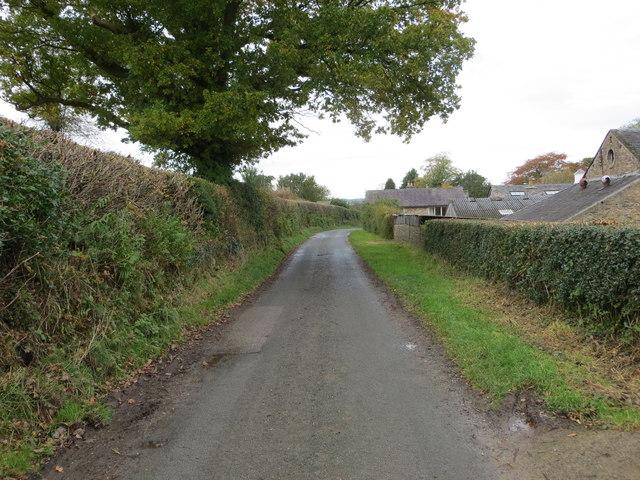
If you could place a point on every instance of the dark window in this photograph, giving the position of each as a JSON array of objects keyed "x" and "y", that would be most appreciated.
[{"x": 611, "y": 157}]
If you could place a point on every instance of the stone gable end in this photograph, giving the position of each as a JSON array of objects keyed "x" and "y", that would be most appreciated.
[
  {"x": 613, "y": 158},
  {"x": 622, "y": 208}
]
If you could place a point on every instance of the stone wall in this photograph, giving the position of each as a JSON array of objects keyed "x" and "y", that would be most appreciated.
[
  {"x": 409, "y": 234},
  {"x": 623, "y": 160},
  {"x": 623, "y": 208}
]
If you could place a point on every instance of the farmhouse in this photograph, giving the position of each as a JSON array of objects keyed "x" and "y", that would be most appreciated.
[
  {"x": 619, "y": 154},
  {"x": 420, "y": 201}
]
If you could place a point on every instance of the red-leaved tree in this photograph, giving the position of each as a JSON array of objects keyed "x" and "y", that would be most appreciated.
[{"x": 537, "y": 169}]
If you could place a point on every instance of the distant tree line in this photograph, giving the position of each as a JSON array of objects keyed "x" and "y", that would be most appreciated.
[
  {"x": 298, "y": 185},
  {"x": 439, "y": 171}
]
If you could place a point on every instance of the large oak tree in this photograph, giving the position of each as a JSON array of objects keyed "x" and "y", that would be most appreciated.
[{"x": 212, "y": 83}]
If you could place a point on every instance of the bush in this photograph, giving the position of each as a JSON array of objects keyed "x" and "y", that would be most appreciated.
[
  {"x": 592, "y": 270},
  {"x": 33, "y": 213},
  {"x": 378, "y": 218},
  {"x": 339, "y": 202}
]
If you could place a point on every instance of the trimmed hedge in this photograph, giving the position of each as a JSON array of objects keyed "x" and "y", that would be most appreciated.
[
  {"x": 377, "y": 218},
  {"x": 86, "y": 235},
  {"x": 592, "y": 270}
]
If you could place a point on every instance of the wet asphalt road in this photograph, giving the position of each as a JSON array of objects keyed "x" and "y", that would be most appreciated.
[{"x": 318, "y": 378}]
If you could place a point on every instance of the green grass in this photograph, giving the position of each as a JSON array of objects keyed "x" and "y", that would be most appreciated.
[
  {"x": 212, "y": 294},
  {"x": 490, "y": 354}
]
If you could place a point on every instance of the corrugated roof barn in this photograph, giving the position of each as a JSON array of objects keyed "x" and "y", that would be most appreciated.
[
  {"x": 487, "y": 208},
  {"x": 574, "y": 201},
  {"x": 418, "y": 197},
  {"x": 519, "y": 191}
]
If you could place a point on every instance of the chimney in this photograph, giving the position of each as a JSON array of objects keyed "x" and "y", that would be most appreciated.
[{"x": 578, "y": 175}]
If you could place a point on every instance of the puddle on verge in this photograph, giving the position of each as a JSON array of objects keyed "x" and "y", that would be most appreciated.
[{"x": 518, "y": 425}]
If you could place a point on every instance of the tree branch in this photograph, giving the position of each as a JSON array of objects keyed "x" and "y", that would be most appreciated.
[
  {"x": 44, "y": 100},
  {"x": 107, "y": 66},
  {"x": 113, "y": 27},
  {"x": 228, "y": 22}
]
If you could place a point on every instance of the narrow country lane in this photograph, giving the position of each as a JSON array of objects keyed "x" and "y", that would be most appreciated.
[{"x": 317, "y": 378}]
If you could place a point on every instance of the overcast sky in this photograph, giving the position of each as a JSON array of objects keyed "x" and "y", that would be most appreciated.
[{"x": 550, "y": 75}]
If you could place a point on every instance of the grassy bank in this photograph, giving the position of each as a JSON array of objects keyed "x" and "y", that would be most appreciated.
[{"x": 497, "y": 351}]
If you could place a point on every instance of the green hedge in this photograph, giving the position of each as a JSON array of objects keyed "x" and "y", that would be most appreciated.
[
  {"x": 86, "y": 235},
  {"x": 592, "y": 270},
  {"x": 378, "y": 217},
  {"x": 32, "y": 195}
]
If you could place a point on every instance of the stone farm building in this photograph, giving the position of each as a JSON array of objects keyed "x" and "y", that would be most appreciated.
[
  {"x": 431, "y": 202},
  {"x": 619, "y": 154},
  {"x": 617, "y": 201},
  {"x": 610, "y": 194}
]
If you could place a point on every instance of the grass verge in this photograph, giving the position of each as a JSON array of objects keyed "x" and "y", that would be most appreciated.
[
  {"x": 214, "y": 294},
  {"x": 30, "y": 430},
  {"x": 497, "y": 352}
]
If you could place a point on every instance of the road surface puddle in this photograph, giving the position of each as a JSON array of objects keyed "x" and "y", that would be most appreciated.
[{"x": 216, "y": 359}]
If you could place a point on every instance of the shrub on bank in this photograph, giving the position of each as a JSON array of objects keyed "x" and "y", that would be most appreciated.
[
  {"x": 592, "y": 270},
  {"x": 378, "y": 217}
]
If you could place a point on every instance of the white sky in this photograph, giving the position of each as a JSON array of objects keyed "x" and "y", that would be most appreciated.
[{"x": 550, "y": 75}]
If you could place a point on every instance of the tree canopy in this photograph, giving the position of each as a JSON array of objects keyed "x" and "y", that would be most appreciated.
[
  {"x": 390, "y": 184},
  {"x": 213, "y": 84},
  {"x": 474, "y": 184},
  {"x": 409, "y": 178},
  {"x": 543, "y": 166},
  {"x": 439, "y": 171},
  {"x": 632, "y": 124},
  {"x": 251, "y": 176},
  {"x": 304, "y": 186}
]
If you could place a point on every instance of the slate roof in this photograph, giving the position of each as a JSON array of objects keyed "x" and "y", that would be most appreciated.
[
  {"x": 630, "y": 138},
  {"x": 487, "y": 208},
  {"x": 418, "y": 197},
  {"x": 504, "y": 191},
  {"x": 565, "y": 205}
]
